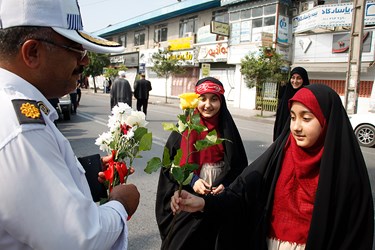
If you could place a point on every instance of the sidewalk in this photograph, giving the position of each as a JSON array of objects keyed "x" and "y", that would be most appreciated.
[{"x": 268, "y": 117}]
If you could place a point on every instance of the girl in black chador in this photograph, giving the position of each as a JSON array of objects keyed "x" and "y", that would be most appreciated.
[
  {"x": 309, "y": 190},
  {"x": 219, "y": 166},
  {"x": 298, "y": 79}
]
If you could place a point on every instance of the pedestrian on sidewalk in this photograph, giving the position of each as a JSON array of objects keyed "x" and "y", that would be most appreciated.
[
  {"x": 142, "y": 88},
  {"x": 298, "y": 79},
  {"x": 309, "y": 190},
  {"x": 121, "y": 91},
  {"x": 46, "y": 201}
]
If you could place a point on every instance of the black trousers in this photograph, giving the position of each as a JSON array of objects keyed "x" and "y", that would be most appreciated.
[{"x": 142, "y": 103}]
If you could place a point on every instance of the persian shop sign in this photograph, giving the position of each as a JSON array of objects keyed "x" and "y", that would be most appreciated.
[
  {"x": 187, "y": 57},
  {"x": 331, "y": 15},
  {"x": 213, "y": 53},
  {"x": 220, "y": 28},
  {"x": 129, "y": 59}
]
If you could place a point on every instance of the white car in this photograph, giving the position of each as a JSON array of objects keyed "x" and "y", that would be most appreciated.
[
  {"x": 364, "y": 128},
  {"x": 66, "y": 106}
]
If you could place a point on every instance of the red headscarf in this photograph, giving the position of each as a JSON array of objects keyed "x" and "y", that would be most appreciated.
[{"x": 298, "y": 180}]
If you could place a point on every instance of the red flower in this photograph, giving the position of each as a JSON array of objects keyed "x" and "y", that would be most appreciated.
[
  {"x": 122, "y": 170},
  {"x": 125, "y": 128},
  {"x": 109, "y": 174},
  {"x": 115, "y": 167}
]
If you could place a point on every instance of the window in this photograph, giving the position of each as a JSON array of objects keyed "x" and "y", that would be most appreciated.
[
  {"x": 139, "y": 37},
  {"x": 234, "y": 16},
  {"x": 161, "y": 33},
  {"x": 188, "y": 25},
  {"x": 220, "y": 16},
  {"x": 270, "y": 10},
  {"x": 257, "y": 23},
  {"x": 245, "y": 14},
  {"x": 122, "y": 40},
  {"x": 256, "y": 12},
  {"x": 248, "y": 23},
  {"x": 269, "y": 21}
]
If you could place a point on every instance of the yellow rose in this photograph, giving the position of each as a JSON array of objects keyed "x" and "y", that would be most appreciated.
[{"x": 189, "y": 100}]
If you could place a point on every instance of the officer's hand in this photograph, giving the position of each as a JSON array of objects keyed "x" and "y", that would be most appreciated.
[{"x": 127, "y": 195}]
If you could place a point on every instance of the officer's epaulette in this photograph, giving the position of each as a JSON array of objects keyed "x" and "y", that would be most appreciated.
[{"x": 28, "y": 111}]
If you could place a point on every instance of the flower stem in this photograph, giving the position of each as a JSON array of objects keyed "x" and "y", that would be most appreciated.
[{"x": 169, "y": 235}]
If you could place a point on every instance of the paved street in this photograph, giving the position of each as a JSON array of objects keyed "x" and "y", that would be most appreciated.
[{"x": 91, "y": 120}]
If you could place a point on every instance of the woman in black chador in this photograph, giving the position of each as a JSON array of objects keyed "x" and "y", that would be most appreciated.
[
  {"x": 309, "y": 190},
  {"x": 218, "y": 166},
  {"x": 298, "y": 79}
]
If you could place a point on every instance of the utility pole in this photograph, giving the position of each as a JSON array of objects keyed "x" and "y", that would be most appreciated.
[{"x": 354, "y": 57}]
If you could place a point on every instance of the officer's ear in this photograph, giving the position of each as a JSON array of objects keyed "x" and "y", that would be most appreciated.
[{"x": 31, "y": 53}]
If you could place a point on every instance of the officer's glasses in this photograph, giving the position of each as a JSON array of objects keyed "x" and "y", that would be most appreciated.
[{"x": 83, "y": 53}]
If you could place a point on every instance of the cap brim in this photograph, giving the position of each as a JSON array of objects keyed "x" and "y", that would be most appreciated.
[{"x": 90, "y": 42}]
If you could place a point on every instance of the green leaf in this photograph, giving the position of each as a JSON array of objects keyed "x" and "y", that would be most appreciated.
[
  {"x": 182, "y": 127},
  {"x": 139, "y": 133},
  {"x": 188, "y": 179},
  {"x": 198, "y": 127},
  {"x": 166, "y": 158},
  {"x": 201, "y": 144},
  {"x": 146, "y": 142},
  {"x": 153, "y": 165},
  {"x": 195, "y": 119},
  {"x": 212, "y": 136},
  {"x": 182, "y": 118},
  {"x": 211, "y": 139},
  {"x": 168, "y": 126},
  {"x": 190, "y": 167},
  {"x": 177, "y": 157},
  {"x": 178, "y": 174}
]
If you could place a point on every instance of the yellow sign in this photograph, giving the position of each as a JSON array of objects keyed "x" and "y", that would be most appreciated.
[
  {"x": 206, "y": 67},
  {"x": 181, "y": 43}
]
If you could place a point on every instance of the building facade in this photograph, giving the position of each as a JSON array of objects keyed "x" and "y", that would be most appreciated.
[{"x": 213, "y": 36}]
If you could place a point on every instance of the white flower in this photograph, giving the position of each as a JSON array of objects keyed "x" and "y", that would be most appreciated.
[
  {"x": 121, "y": 108},
  {"x": 103, "y": 141},
  {"x": 136, "y": 118}
]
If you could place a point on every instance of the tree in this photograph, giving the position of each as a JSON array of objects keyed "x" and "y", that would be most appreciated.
[
  {"x": 96, "y": 65},
  {"x": 112, "y": 72},
  {"x": 165, "y": 65},
  {"x": 260, "y": 68}
]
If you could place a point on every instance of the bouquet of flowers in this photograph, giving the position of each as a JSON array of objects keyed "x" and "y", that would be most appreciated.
[{"x": 126, "y": 138}]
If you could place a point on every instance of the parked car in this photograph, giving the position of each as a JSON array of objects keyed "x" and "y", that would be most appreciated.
[
  {"x": 66, "y": 106},
  {"x": 364, "y": 128}
]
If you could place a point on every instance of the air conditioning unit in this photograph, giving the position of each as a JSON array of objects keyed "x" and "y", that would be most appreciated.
[
  {"x": 307, "y": 5},
  {"x": 188, "y": 34}
]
